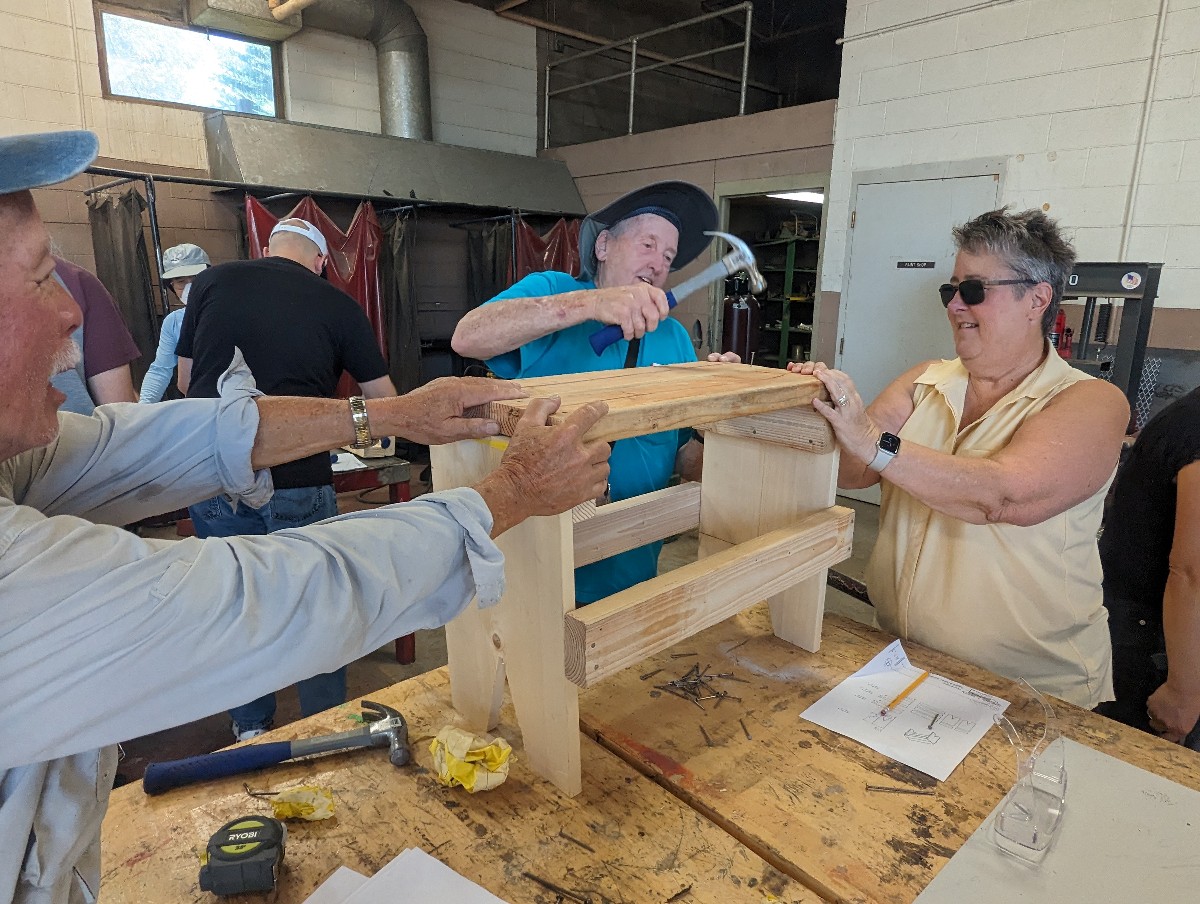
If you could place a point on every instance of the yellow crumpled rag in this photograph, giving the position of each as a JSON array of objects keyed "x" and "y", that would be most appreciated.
[
  {"x": 477, "y": 763},
  {"x": 307, "y": 802}
]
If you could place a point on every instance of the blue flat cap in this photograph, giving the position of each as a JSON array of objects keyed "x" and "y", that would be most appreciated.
[{"x": 44, "y": 158}]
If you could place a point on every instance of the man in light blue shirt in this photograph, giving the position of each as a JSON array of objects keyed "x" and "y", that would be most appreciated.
[
  {"x": 540, "y": 327},
  {"x": 181, "y": 263},
  {"x": 117, "y": 636}
]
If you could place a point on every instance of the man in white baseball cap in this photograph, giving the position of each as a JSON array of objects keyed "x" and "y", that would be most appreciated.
[
  {"x": 181, "y": 264},
  {"x": 297, "y": 226},
  {"x": 297, "y": 332},
  {"x": 106, "y": 635}
]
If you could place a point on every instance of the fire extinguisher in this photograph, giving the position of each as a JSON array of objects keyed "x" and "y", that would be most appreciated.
[
  {"x": 1056, "y": 334},
  {"x": 741, "y": 319}
]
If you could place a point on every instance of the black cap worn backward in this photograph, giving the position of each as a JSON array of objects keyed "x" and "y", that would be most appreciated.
[
  {"x": 44, "y": 158},
  {"x": 685, "y": 205}
]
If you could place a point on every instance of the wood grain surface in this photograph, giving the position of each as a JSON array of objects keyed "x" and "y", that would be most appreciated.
[
  {"x": 795, "y": 792},
  {"x": 624, "y": 839},
  {"x": 645, "y": 400}
]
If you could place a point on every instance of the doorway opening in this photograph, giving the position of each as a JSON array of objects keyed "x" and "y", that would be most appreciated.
[{"x": 784, "y": 229}]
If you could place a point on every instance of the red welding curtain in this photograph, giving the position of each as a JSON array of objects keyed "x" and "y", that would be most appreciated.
[
  {"x": 558, "y": 249},
  {"x": 353, "y": 259}
]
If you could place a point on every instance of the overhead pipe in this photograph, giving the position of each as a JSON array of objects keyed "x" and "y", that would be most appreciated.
[
  {"x": 281, "y": 9},
  {"x": 608, "y": 43},
  {"x": 405, "y": 108},
  {"x": 1139, "y": 154}
]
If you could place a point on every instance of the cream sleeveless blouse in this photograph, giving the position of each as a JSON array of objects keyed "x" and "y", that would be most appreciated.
[{"x": 1025, "y": 602}]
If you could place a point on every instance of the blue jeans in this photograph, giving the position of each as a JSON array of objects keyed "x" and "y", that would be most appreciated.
[{"x": 293, "y": 507}]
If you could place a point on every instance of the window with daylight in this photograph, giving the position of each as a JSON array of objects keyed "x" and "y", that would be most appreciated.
[{"x": 175, "y": 65}]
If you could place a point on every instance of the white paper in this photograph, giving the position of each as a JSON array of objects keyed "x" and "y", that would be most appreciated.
[
  {"x": 338, "y": 887},
  {"x": 1126, "y": 835},
  {"x": 345, "y": 461},
  {"x": 415, "y": 876},
  {"x": 932, "y": 729}
]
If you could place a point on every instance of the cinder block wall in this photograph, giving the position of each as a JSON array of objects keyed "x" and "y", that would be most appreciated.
[
  {"x": 1057, "y": 88},
  {"x": 484, "y": 92},
  {"x": 50, "y": 80},
  {"x": 483, "y": 72}
]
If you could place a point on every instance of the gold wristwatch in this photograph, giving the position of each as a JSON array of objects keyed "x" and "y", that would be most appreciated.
[{"x": 362, "y": 424}]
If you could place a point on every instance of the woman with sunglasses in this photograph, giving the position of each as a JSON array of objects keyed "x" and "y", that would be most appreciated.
[{"x": 993, "y": 469}]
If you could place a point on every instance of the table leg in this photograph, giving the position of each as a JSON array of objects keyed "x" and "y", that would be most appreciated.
[{"x": 406, "y": 649}]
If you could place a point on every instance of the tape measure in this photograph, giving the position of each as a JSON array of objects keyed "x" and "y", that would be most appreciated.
[{"x": 243, "y": 856}]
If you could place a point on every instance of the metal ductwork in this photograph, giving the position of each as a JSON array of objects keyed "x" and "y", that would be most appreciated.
[
  {"x": 404, "y": 163},
  {"x": 255, "y": 150},
  {"x": 242, "y": 17},
  {"x": 391, "y": 25}
]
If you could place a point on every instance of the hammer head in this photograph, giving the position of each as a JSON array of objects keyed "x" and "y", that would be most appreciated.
[
  {"x": 388, "y": 727},
  {"x": 742, "y": 258}
]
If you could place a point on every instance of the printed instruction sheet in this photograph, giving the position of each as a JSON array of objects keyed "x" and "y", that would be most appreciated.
[{"x": 932, "y": 729}]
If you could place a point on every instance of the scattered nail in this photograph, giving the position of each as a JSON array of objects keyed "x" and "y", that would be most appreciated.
[{"x": 892, "y": 790}]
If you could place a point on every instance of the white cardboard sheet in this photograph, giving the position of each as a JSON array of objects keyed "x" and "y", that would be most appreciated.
[
  {"x": 1127, "y": 835},
  {"x": 412, "y": 875}
]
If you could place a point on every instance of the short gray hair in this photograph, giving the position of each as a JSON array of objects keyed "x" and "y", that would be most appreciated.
[
  {"x": 620, "y": 227},
  {"x": 1030, "y": 243}
]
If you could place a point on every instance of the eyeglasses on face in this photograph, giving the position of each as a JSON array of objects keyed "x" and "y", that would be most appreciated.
[{"x": 974, "y": 291}]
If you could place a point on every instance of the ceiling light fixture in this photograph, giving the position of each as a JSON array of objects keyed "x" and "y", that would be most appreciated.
[{"x": 813, "y": 197}]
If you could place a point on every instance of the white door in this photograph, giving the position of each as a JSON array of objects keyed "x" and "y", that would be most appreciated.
[{"x": 901, "y": 250}]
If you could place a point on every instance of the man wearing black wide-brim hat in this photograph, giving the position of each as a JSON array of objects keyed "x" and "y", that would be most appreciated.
[{"x": 541, "y": 327}]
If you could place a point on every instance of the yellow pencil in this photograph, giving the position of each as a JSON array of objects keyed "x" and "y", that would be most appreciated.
[{"x": 904, "y": 693}]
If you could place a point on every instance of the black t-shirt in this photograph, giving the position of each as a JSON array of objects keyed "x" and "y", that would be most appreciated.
[
  {"x": 295, "y": 330},
  {"x": 1139, "y": 525}
]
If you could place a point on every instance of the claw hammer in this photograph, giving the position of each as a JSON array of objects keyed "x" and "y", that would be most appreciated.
[
  {"x": 739, "y": 258},
  {"x": 388, "y": 729}
]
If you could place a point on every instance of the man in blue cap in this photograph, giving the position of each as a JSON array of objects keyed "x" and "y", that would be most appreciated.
[
  {"x": 105, "y": 635},
  {"x": 541, "y": 325}
]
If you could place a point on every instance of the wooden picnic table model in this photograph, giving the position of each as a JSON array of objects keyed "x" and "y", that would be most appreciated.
[{"x": 620, "y": 792}]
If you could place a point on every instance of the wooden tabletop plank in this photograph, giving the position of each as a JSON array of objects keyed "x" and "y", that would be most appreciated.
[
  {"x": 795, "y": 792},
  {"x": 623, "y": 839},
  {"x": 645, "y": 400}
]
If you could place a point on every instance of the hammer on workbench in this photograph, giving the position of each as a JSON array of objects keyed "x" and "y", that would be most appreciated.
[
  {"x": 387, "y": 729},
  {"x": 739, "y": 258}
]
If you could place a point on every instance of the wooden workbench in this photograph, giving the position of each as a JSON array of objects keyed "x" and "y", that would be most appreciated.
[
  {"x": 751, "y": 819},
  {"x": 624, "y": 839},
  {"x": 794, "y": 792}
]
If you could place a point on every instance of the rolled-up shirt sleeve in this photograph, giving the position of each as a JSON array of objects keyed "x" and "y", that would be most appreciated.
[
  {"x": 106, "y": 636},
  {"x": 130, "y": 461}
]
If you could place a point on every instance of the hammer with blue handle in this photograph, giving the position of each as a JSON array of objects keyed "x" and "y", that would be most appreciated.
[
  {"x": 740, "y": 258},
  {"x": 387, "y": 730}
]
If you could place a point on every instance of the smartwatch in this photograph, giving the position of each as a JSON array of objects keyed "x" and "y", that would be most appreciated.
[{"x": 887, "y": 448}]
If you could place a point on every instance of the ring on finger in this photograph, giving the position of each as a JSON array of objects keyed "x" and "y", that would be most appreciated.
[{"x": 842, "y": 399}]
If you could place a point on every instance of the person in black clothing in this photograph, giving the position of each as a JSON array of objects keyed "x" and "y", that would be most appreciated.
[
  {"x": 297, "y": 334},
  {"x": 1150, "y": 549}
]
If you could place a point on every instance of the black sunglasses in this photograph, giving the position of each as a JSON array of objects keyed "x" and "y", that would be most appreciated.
[{"x": 974, "y": 291}]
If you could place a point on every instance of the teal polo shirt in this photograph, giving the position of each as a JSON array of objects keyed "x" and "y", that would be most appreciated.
[{"x": 638, "y": 465}]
